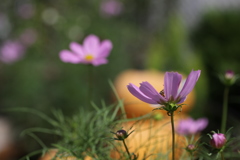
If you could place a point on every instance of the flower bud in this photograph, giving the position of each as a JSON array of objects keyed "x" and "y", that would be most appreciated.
[
  {"x": 191, "y": 147},
  {"x": 218, "y": 140},
  {"x": 229, "y": 74},
  {"x": 229, "y": 78},
  {"x": 121, "y": 134}
]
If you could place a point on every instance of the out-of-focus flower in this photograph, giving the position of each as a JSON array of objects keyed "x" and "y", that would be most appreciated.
[
  {"x": 172, "y": 93},
  {"x": 229, "y": 78},
  {"x": 111, "y": 7},
  {"x": 218, "y": 140},
  {"x": 11, "y": 51},
  {"x": 190, "y": 126},
  {"x": 50, "y": 16},
  {"x": 91, "y": 52},
  {"x": 26, "y": 11},
  {"x": 28, "y": 37}
]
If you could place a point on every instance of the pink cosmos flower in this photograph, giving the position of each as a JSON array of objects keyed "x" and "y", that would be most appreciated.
[
  {"x": 218, "y": 140},
  {"x": 190, "y": 126},
  {"x": 91, "y": 52},
  {"x": 11, "y": 51},
  {"x": 172, "y": 93}
]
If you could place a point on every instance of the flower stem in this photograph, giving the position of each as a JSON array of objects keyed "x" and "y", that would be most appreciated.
[
  {"x": 90, "y": 83},
  {"x": 126, "y": 149},
  {"x": 173, "y": 136},
  {"x": 225, "y": 110},
  {"x": 222, "y": 156}
]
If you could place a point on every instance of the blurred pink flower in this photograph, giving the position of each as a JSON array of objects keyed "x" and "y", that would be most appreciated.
[
  {"x": 91, "y": 52},
  {"x": 190, "y": 126},
  {"x": 111, "y": 7},
  {"x": 26, "y": 11},
  {"x": 11, "y": 51},
  {"x": 28, "y": 37}
]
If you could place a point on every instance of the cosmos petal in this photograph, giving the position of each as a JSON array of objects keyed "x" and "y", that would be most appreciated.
[
  {"x": 137, "y": 93},
  {"x": 190, "y": 83}
]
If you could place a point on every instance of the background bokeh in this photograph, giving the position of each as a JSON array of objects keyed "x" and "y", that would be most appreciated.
[{"x": 166, "y": 35}]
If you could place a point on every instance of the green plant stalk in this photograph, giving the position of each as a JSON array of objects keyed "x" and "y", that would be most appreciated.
[
  {"x": 126, "y": 149},
  {"x": 225, "y": 109},
  {"x": 90, "y": 84},
  {"x": 173, "y": 136},
  {"x": 222, "y": 156}
]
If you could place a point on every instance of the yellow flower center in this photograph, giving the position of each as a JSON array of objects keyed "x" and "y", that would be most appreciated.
[{"x": 88, "y": 57}]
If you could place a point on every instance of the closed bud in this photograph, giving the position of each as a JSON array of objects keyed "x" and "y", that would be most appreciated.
[
  {"x": 218, "y": 140},
  {"x": 121, "y": 134},
  {"x": 229, "y": 78}
]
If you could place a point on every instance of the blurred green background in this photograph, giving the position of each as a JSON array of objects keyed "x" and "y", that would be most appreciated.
[{"x": 168, "y": 35}]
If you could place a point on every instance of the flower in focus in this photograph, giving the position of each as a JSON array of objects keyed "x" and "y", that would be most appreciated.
[
  {"x": 190, "y": 126},
  {"x": 11, "y": 51},
  {"x": 218, "y": 140},
  {"x": 172, "y": 93},
  {"x": 111, "y": 7},
  {"x": 92, "y": 51}
]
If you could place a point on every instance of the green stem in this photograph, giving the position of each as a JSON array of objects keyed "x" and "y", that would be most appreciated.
[
  {"x": 222, "y": 156},
  {"x": 90, "y": 84},
  {"x": 173, "y": 136},
  {"x": 126, "y": 149},
  {"x": 225, "y": 110}
]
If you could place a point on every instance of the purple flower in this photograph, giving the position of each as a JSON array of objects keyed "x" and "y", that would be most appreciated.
[
  {"x": 218, "y": 140},
  {"x": 172, "y": 93},
  {"x": 91, "y": 52},
  {"x": 11, "y": 51},
  {"x": 190, "y": 126},
  {"x": 111, "y": 7}
]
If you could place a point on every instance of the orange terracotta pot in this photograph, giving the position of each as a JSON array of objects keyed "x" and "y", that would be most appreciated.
[
  {"x": 52, "y": 153},
  {"x": 152, "y": 140},
  {"x": 135, "y": 107}
]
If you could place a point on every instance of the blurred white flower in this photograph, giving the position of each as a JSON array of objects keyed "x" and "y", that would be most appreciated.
[{"x": 50, "y": 16}]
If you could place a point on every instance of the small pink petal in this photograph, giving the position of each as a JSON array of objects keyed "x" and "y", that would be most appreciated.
[
  {"x": 91, "y": 44},
  {"x": 69, "y": 57},
  {"x": 105, "y": 48},
  {"x": 98, "y": 62},
  {"x": 76, "y": 48}
]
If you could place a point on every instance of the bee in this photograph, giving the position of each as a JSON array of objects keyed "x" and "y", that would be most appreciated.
[{"x": 162, "y": 93}]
